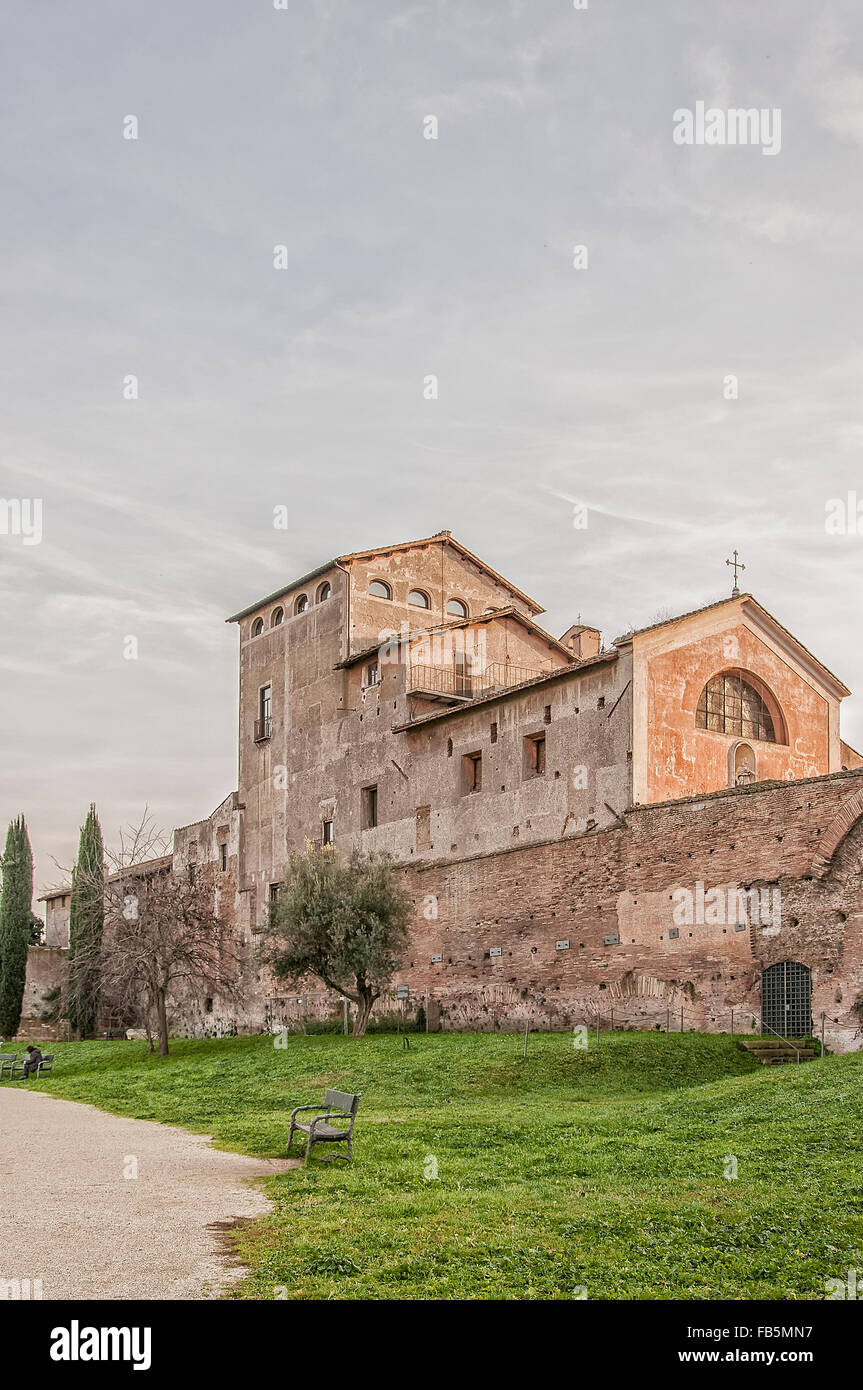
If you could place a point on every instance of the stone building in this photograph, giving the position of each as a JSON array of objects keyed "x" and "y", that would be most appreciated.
[{"x": 561, "y": 808}]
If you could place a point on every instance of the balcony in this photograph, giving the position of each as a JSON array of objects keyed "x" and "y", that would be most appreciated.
[
  {"x": 262, "y": 729},
  {"x": 454, "y": 687}
]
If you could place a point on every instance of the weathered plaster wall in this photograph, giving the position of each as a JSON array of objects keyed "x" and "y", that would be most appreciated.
[{"x": 673, "y": 664}]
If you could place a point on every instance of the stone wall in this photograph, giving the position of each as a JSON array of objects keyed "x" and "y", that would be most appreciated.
[{"x": 495, "y": 921}]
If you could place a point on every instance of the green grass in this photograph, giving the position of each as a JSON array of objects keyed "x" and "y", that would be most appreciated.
[{"x": 602, "y": 1169}]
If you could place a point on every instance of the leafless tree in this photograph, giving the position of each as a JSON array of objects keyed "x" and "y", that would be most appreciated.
[{"x": 161, "y": 942}]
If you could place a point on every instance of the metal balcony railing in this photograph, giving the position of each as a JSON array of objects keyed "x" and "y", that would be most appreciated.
[
  {"x": 262, "y": 729},
  {"x": 447, "y": 682}
]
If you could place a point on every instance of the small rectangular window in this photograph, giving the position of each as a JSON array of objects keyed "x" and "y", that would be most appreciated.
[
  {"x": 547, "y": 716},
  {"x": 471, "y": 772},
  {"x": 326, "y": 832},
  {"x": 370, "y": 808},
  {"x": 274, "y": 892},
  {"x": 372, "y": 674},
  {"x": 263, "y": 723},
  {"x": 223, "y": 857},
  {"x": 193, "y": 873},
  {"x": 534, "y": 755},
  {"x": 494, "y": 732}
]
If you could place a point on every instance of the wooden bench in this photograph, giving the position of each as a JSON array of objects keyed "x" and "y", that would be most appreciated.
[
  {"x": 338, "y": 1106},
  {"x": 7, "y": 1059}
]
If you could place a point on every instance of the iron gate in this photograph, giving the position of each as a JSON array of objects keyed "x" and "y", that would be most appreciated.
[{"x": 786, "y": 999}]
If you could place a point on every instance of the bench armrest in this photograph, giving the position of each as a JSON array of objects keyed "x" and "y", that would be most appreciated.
[
  {"x": 334, "y": 1115},
  {"x": 296, "y": 1111}
]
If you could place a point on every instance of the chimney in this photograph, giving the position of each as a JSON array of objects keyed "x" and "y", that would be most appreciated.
[{"x": 583, "y": 641}]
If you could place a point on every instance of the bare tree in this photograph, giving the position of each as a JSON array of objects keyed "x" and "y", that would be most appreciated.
[{"x": 161, "y": 942}]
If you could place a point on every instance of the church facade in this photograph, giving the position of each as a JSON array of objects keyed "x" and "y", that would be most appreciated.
[{"x": 668, "y": 822}]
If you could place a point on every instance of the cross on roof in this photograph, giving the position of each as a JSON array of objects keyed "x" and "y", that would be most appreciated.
[{"x": 736, "y": 565}]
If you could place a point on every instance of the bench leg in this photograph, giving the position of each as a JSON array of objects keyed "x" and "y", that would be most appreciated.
[
  {"x": 290, "y": 1139},
  {"x": 308, "y": 1149}
]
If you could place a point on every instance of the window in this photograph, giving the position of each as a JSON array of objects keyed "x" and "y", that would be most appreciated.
[
  {"x": 274, "y": 892},
  {"x": 278, "y": 617},
  {"x": 326, "y": 832},
  {"x": 534, "y": 755},
  {"x": 730, "y": 705},
  {"x": 456, "y": 608},
  {"x": 257, "y": 627},
  {"x": 419, "y": 599},
  {"x": 494, "y": 731},
  {"x": 263, "y": 723},
  {"x": 370, "y": 808},
  {"x": 208, "y": 1004},
  {"x": 378, "y": 589},
  {"x": 324, "y": 591},
  {"x": 372, "y": 674},
  {"x": 301, "y": 604},
  {"x": 472, "y": 772},
  {"x": 223, "y": 857},
  {"x": 193, "y": 873}
]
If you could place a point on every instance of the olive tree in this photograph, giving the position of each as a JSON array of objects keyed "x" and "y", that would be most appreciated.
[{"x": 342, "y": 920}]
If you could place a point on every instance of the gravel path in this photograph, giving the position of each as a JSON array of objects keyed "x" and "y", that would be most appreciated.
[{"x": 70, "y": 1217}]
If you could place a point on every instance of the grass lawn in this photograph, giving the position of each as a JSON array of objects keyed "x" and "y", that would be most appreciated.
[{"x": 602, "y": 1170}]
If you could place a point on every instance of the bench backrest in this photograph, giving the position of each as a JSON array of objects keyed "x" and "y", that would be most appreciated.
[
  {"x": 49, "y": 1057},
  {"x": 8, "y": 1056},
  {"x": 343, "y": 1100}
]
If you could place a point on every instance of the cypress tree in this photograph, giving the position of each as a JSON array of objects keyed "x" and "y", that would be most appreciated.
[
  {"x": 86, "y": 918},
  {"x": 15, "y": 918}
]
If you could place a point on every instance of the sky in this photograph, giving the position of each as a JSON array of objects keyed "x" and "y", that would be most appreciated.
[{"x": 691, "y": 375}]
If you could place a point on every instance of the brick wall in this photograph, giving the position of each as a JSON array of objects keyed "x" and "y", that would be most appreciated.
[{"x": 625, "y": 882}]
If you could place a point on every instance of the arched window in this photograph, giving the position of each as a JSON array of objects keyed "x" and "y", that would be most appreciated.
[
  {"x": 730, "y": 705},
  {"x": 378, "y": 589},
  {"x": 456, "y": 608},
  {"x": 419, "y": 599},
  {"x": 324, "y": 591},
  {"x": 301, "y": 603},
  {"x": 257, "y": 627},
  {"x": 278, "y": 617}
]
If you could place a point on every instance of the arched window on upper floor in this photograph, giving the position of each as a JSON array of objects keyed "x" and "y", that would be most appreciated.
[
  {"x": 257, "y": 627},
  {"x": 324, "y": 591},
  {"x": 278, "y": 617},
  {"x": 419, "y": 598},
  {"x": 456, "y": 608},
  {"x": 379, "y": 589},
  {"x": 731, "y": 704},
  {"x": 301, "y": 604}
]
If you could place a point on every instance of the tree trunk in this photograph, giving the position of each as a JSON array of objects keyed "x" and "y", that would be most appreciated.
[
  {"x": 163, "y": 1024},
  {"x": 361, "y": 1014}
]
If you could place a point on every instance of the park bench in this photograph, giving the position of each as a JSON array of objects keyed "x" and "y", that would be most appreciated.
[
  {"x": 7, "y": 1059},
  {"x": 46, "y": 1066},
  {"x": 322, "y": 1129}
]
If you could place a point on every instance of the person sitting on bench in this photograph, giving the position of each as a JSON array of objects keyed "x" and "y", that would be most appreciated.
[{"x": 32, "y": 1060}]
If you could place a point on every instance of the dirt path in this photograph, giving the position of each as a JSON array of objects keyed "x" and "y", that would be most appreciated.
[{"x": 71, "y": 1218}]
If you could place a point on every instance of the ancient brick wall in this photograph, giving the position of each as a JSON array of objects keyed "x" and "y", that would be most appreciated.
[{"x": 616, "y": 896}]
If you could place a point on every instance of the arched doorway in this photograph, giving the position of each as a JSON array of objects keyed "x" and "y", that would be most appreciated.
[{"x": 786, "y": 999}]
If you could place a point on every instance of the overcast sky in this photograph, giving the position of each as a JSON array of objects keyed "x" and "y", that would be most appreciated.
[{"x": 407, "y": 257}]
